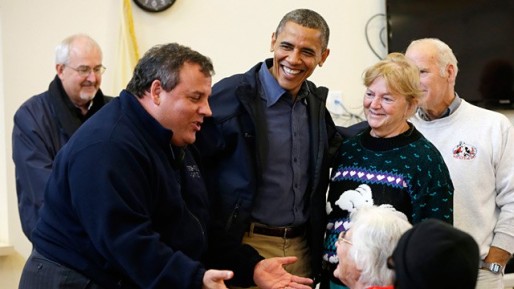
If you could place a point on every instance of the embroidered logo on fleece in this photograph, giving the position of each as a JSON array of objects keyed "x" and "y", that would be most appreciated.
[
  {"x": 464, "y": 151},
  {"x": 193, "y": 171}
]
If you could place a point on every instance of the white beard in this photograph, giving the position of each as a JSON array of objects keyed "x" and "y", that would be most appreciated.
[{"x": 87, "y": 96}]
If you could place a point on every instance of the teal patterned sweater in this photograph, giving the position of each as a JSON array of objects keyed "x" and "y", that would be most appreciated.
[{"x": 406, "y": 172}]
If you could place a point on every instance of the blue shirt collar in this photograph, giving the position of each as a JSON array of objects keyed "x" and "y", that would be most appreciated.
[
  {"x": 271, "y": 88},
  {"x": 451, "y": 109}
]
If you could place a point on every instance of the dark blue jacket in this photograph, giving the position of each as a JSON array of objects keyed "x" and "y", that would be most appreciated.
[
  {"x": 42, "y": 125},
  {"x": 120, "y": 206},
  {"x": 234, "y": 146}
]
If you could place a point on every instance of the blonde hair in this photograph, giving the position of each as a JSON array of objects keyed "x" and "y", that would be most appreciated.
[{"x": 400, "y": 74}]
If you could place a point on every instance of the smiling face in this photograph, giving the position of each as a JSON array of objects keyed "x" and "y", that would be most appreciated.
[
  {"x": 81, "y": 89},
  {"x": 183, "y": 109},
  {"x": 437, "y": 85},
  {"x": 346, "y": 270},
  {"x": 385, "y": 111},
  {"x": 297, "y": 52}
]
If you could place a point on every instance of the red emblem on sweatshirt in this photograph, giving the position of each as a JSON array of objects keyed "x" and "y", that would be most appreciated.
[{"x": 464, "y": 151}]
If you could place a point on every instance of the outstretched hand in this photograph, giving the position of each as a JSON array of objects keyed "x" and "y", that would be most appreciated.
[
  {"x": 270, "y": 274},
  {"x": 215, "y": 279}
]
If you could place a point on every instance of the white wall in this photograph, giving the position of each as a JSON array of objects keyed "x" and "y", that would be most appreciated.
[{"x": 235, "y": 34}]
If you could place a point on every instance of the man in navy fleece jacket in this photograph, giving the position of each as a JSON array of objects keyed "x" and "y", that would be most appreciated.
[{"x": 126, "y": 206}]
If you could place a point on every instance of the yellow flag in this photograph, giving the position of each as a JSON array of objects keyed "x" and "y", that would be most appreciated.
[{"x": 128, "y": 52}]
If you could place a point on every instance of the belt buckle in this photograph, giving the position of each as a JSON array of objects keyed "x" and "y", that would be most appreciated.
[
  {"x": 286, "y": 229},
  {"x": 250, "y": 231}
]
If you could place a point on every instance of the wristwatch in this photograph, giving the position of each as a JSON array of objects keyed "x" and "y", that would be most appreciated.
[{"x": 495, "y": 268}]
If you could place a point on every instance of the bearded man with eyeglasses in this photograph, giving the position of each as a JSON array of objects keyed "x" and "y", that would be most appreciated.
[{"x": 45, "y": 122}]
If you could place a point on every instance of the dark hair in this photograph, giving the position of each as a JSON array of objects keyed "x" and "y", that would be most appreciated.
[
  {"x": 163, "y": 62},
  {"x": 309, "y": 19}
]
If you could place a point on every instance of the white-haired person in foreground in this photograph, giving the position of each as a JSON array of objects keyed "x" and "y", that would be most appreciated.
[{"x": 364, "y": 248}]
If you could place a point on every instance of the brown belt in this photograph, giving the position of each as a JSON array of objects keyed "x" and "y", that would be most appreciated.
[{"x": 284, "y": 232}]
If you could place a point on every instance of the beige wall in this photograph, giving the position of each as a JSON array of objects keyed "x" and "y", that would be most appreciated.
[{"x": 234, "y": 33}]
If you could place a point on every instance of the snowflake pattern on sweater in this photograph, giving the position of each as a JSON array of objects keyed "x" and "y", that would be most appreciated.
[{"x": 405, "y": 172}]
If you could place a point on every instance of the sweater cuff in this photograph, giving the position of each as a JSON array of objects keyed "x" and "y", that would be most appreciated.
[
  {"x": 244, "y": 266},
  {"x": 503, "y": 241}
]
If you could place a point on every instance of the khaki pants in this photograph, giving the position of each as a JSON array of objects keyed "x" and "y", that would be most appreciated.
[
  {"x": 488, "y": 280},
  {"x": 269, "y": 246}
]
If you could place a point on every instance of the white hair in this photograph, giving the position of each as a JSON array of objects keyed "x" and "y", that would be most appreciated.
[
  {"x": 375, "y": 233},
  {"x": 62, "y": 51},
  {"x": 445, "y": 55}
]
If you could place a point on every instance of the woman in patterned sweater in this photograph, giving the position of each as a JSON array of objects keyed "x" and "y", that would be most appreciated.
[{"x": 388, "y": 164}]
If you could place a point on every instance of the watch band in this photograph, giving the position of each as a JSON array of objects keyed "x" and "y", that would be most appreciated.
[{"x": 495, "y": 268}]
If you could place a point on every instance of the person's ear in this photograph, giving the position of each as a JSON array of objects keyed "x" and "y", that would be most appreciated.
[
  {"x": 155, "y": 91},
  {"x": 390, "y": 262},
  {"x": 324, "y": 56},
  {"x": 273, "y": 41},
  {"x": 59, "y": 69},
  {"x": 450, "y": 73}
]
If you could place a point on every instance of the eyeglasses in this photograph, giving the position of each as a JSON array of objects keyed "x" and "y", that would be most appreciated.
[
  {"x": 85, "y": 70},
  {"x": 342, "y": 238}
]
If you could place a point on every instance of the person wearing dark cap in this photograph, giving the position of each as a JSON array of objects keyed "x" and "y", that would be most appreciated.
[
  {"x": 434, "y": 254},
  {"x": 390, "y": 163}
]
